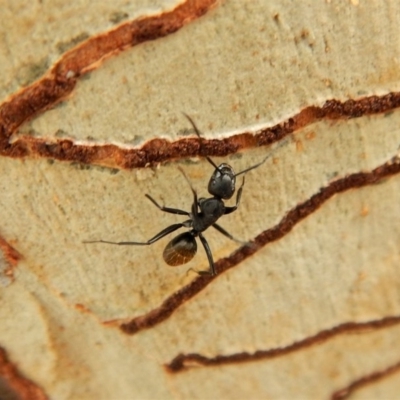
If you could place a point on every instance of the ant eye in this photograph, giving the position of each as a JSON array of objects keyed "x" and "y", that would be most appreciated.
[
  {"x": 222, "y": 182},
  {"x": 180, "y": 250}
]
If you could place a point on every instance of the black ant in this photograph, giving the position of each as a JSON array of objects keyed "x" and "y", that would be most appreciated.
[{"x": 204, "y": 213}]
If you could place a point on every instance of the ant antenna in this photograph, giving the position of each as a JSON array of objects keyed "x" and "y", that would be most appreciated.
[
  {"x": 199, "y": 136},
  {"x": 282, "y": 143},
  {"x": 187, "y": 180}
]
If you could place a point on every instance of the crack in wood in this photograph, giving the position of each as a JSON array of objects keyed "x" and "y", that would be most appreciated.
[
  {"x": 60, "y": 81},
  {"x": 183, "y": 362},
  {"x": 293, "y": 217},
  {"x": 35, "y": 99},
  {"x": 365, "y": 380}
]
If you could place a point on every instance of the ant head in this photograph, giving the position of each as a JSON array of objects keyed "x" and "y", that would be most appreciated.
[{"x": 222, "y": 182}]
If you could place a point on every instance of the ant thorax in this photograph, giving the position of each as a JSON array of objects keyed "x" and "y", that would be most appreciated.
[
  {"x": 222, "y": 182},
  {"x": 210, "y": 211}
]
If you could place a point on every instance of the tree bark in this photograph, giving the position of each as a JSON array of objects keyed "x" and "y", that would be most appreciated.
[{"x": 91, "y": 120}]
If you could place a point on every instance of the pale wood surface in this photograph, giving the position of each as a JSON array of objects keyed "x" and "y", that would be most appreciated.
[{"x": 241, "y": 67}]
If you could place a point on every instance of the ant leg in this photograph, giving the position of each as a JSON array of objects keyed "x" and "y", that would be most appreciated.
[
  {"x": 196, "y": 130},
  {"x": 159, "y": 236},
  {"x": 195, "y": 205},
  {"x": 209, "y": 256},
  {"x": 220, "y": 229},
  {"x": 228, "y": 235},
  {"x": 167, "y": 209},
  {"x": 229, "y": 210}
]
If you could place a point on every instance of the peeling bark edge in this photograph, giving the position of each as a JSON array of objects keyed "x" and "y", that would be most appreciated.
[
  {"x": 160, "y": 150},
  {"x": 293, "y": 217},
  {"x": 22, "y": 386},
  {"x": 60, "y": 81}
]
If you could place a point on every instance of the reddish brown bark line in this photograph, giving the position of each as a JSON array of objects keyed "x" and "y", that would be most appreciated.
[
  {"x": 85, "y": 56},
  {"x": 25, "y": 389},
  {"x": 11, "y": 256},
  {"x": 369, "y": 379},
  {"x": 160, "y": 150},
  {"x": 61, "y": 79},
  {"x": 296, "y": 215},
  {"x": 185, "y": 361}
]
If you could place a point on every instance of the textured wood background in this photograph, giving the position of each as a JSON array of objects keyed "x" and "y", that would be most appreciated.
[{"x": 91, "y": 120}]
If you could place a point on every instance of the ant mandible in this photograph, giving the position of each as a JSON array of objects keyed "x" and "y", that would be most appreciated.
[{"x": 204, "y": 213}]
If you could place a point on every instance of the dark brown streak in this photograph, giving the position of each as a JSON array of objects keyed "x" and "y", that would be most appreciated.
[
  {"x": 14, "y": 113},
  {"x": 185, "y": 361},
  {"x": 301, "y": 211},
  {"x": 345, "y": 393},
  {"x": 60, "y": 81}
]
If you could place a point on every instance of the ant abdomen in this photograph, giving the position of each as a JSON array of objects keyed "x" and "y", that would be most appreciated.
[{"x": 180, "y": 249}]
